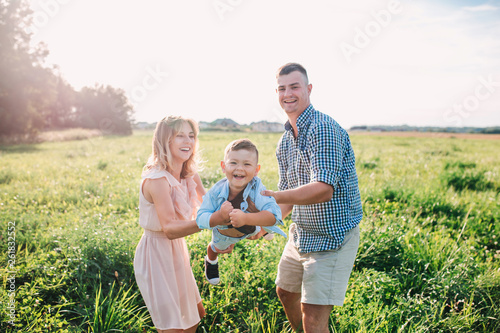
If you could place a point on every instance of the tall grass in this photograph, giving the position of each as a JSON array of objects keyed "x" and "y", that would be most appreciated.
[{"x": 428, "y": 259}]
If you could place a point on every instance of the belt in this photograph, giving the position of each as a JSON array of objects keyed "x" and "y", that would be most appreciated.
[{"x": 156, "y": 234}]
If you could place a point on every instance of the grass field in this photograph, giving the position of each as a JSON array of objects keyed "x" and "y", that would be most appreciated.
[{"x": 429, "y": 258}]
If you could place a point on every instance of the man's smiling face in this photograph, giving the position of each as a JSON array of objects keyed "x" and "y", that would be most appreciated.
[{"x": 293, "y": 93}]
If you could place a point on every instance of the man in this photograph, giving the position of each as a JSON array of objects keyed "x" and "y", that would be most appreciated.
[{"x": 319, "y": 185}]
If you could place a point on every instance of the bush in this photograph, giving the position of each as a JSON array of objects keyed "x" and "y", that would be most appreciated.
[{"x": 464, "y": 179}]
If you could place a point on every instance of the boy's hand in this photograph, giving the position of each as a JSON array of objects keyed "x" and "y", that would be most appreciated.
[
  {"x": 225, "y": 209},
  {"x": 237, "y": 217}
]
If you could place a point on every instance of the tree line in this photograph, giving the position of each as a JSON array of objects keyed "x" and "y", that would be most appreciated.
[
  {"x": 34, "y": 96},
  {"x": 407, "y": 128}
]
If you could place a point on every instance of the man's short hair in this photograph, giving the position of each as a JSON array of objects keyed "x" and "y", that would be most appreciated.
[
  {"x": 241, "y": 144},
  {"x": 292, "y": 67}
]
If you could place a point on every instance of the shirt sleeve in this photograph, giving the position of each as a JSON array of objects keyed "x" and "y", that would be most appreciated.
[
  {"x": 207, "y": 208},
  {"x": 326, "y": 154},
  {"x": 267, "y": 203}
]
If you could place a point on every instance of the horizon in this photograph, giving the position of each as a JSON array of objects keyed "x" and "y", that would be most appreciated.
[
  {"x": 386, "y": 62},
  {"x": 375, "y": 125}
]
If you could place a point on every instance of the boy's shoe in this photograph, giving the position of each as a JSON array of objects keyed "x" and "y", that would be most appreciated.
[{"x": 212, "y": 272}]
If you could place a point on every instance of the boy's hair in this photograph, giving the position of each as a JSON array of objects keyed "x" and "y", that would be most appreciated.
[
  {"x": 165, "y": 131},
  {"x": 239, "y": 145},
  {"x": 292, "y": 67}
]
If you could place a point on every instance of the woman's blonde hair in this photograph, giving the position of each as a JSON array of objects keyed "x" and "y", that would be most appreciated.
[{"x": 165, "y": 131}]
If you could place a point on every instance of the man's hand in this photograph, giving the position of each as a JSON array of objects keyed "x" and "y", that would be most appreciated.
[
  {"x": 237, "y": 217},
  {"x": 268, "y": 193}
]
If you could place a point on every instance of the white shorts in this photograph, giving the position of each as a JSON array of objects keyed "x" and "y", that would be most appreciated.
[{"x": 321, "y": 277}]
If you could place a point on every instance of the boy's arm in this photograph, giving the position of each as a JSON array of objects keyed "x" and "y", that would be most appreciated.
[
  {"x": 285, "y": 209},
  {"x": 221, "y": 216},
  {"x": 262, "y": 211},
  {"x": 210, "y": 215},
  {"x": 262, "y": 218},
  {"x": 207, "y": 208}
]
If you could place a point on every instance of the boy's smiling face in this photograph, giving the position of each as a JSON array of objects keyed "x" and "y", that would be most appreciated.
[{"x": 240, "y": 166}]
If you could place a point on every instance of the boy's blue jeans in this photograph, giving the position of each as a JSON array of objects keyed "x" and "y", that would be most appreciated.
[{"x": 222, "y": 242}]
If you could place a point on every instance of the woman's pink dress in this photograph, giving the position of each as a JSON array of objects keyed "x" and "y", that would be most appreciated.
[{"x": 162, "y": 266}]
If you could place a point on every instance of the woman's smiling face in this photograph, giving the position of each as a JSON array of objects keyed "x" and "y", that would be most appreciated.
[{"x": 182, "y": 145}]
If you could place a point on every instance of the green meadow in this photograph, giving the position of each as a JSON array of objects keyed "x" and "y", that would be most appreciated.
[{"x": 429, "y": 258}]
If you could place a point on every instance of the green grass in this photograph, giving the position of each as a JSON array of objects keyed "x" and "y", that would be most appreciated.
[{"x": 428, "y": 259}]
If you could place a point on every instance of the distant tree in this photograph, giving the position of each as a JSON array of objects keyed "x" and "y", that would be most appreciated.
[
  {"x": 491, "y": 130},
  {"x": 34, "y": 96},
  {"x": 104, "y": 108},
  {"x": 18, "y": 64},
  {"x": 60, "y": 113}
]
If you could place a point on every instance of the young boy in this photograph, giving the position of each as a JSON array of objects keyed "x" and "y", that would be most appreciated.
[{"x": 234, "y": 208}]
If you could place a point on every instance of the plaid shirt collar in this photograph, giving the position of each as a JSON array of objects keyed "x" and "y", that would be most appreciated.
[{"x": 302, "y": 121}]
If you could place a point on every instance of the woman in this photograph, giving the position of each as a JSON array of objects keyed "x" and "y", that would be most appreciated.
[{"x": 170, "y": 193}]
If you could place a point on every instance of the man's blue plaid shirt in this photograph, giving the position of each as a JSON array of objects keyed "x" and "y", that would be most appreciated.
[{"x": 322, "y": 152}]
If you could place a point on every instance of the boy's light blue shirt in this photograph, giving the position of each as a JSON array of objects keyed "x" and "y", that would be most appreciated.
[{"x": 215, "y": 197}]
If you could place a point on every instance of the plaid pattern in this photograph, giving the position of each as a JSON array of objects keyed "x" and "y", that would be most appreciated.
[{"x": 322, "y": 152}]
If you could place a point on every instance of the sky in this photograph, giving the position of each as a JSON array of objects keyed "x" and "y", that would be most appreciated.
[{"x": 371, "y": 62}]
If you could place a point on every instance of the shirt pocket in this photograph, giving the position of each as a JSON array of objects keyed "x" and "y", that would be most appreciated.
[{"x": 304, "y": 166}]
